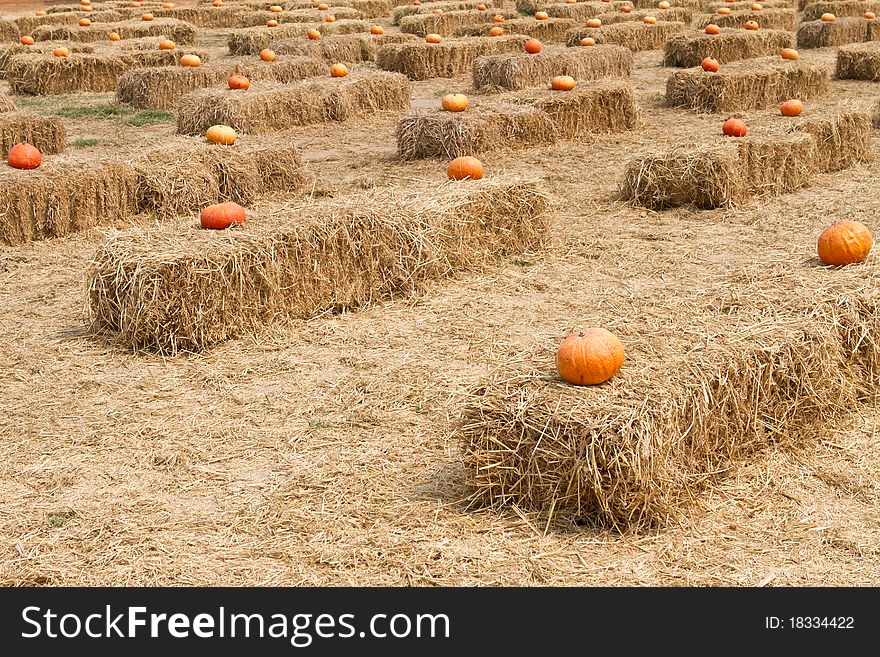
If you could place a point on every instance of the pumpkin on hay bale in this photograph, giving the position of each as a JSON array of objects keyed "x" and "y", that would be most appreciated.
[
  {"x": 252, "y": 40},
  {"x": 452, "y": 58},
  {"x": 688, "y": 50},
  {"x": 631, "y": 35},
  {"x": 449, "y": 21},
  {"x": 350, "y": 48},
  {"x": 181, "y": 33},
  {"x": 45, "y": 133}
]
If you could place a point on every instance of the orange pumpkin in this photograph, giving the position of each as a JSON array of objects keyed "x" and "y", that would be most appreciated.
[
  {"x": 191, "y": 61},
  {"x": 734, "y": 128},
  {"x": 541, "y": 15},
  {"x": 272, "y": 23},
  {"x": 217, "y": 3},
  {"x": 41, "y": 13},
  {"x": 791, "y": 108},
  {"x": 751, "y": 25},
  {"x": 533, "y": 46},
  {"x": 239, "y": 82},
  {"x": 267, "y": 55},
  {"x": 828, "y": 17},
  {"x": 275, "y": 9},
  {"x": 757, "y": 6},
  {"x": 650, "y": 20},
  {"x": 498, "y": 18},
  {"x": 711, "y": 28},
  {"x": 377, "y": 29},
  {"x": 135, "y": 4},
  {"x": 625, "y": 9},
  {"x": 724, "y": 11},
  {"x": 589, "y": 357},
  {"x": 481, "y": 7},
  {"x": 61, "y": 52},
  {"x": 562, "y": 83},
  {"x": 594, "y": 22},
  {"x": 222, "y": 215},
  {"x": 496, "y": 31},
  {"x": 338, "y": 71},
  {"x": 870, "y": 15},
  {"x": 844, "y": 243},
  {"x": 465, "y": 167},
  {"x": 167, "y": 44},
  {"x": 84, "y": 22},
  {"x": 24, "y": 156},
  {"x": 433, "y": 38},
  {"x": 86, "y": 8},
  {"x": 323, "y": 6},
  {"x": 147, "y": 17},
  {"x": 436, "y": 12},
  {"x": 221, "y": 134},
  {"x": 313, "y": 34},
  {"x": 587, "y": 41},
  {"x": 709, "y": 64},
  {"x": 663, "y": 4},
  {"x": 113, "y": 37},
  {"x": 454, "y": 102},
  {"x": 27, "y": 41},
  {"x": 168, "y": 5},
  {"x": 789, "y": 53},
  {"x": 329, "y": 18}
]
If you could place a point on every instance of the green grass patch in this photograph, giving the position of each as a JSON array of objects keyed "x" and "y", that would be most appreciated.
[
  {"x": 149, "y": 117},
  {"x": 83, "y": 143},
  {"x": 58, "y": 518},
  {"x": 104, "y": 111}
]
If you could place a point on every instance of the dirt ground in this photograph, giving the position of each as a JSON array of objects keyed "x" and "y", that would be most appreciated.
[{"x": 320, "y": 452}]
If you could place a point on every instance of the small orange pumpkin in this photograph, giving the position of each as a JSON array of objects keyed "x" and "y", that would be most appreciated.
[
  {"x": 61, "y": 52},
  {"x": 650, "y": 20},
  {"x": 663, "y": 4},
  {"x": 751, "y": 25},
  {"x": 828, "y": 17},
  {"x": 869, "y": 15},
  {"x": 587, "y": 41},
  {"x": 465, "y": 167},
  {"x": 272, "y": 23},
  {"x": 481, "y": 7},
  {"x": 27, "y": 41},
  {"x": 844, "y": 243},
  {"x": 221, "y": 134},
  {"x": 222, "y": 215},
  {"x": 191, "y": 61},
  {"x": 329, "y": 18},
  {"x": 84, "y": 22},
  {"x": 239, "y": 82},
  {"x": 496, "y": 31},
  {"x": 498, "y": 18},
  {"x": 757, "y": 6},
  {"x": 338, "y": 71},
  {"x": 113, "y": 36},
  {"x": 562, "y": 83},
  {"x": 167, "y": 44},
  {"x": 724, "y": 11},
  {"x": 589, "y": 357},
  {"x": 625, "y": 9},
  {"x": 709, "y": 64},
  {"x": 594, "y": 22},
  {"x": 167, "y": 5},
  {"x": 791, "y": 108},
  {"x": 437, "y": 11},
  {"x": 276, "y": 9},
  {"x": 454, "y": 102},
  {"x": 711, "y": 28},
  {"x": 533, "y": 46},
  {"x": 313, "y": 34},
  {"x": 734, "y": 128},
  {"x": 323, "y": 6},
  {"x": 147, "y": 17},
  {"x": 541, "y": 15},
  {"x": 377, "y": 29},
  {"x": 789, "y": 53},
  {"x": 267, "y": 55},
  {"x": 24, "y": 156},
  {"x": 433, "y": 38}
]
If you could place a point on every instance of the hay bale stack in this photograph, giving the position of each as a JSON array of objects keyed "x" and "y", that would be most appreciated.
[
  {"x": 673, "y": 14},
  {"x": 65, "y": 195},
  {"x": 229, "y": 16},
  {"x": 447, "y": 59},
  {"x": 693, "y": 5},
  {"x": 781, "y": 371},
  {"x": 312, "y": 15},
  {"x": 367, "y": 8},
  {"x": 529, "y": 7},
  {"x": 518, "y": 120},
  {"x": 180, "y": 288},
  {"x": 10, "y": 50},
  {"x": 188, "y": 174},
  {"x": 45, "y": 74},
  {"x": 455, "y": 5},
  {"x": 446, "y": 23},
  {"x": 840, "y": 8},
  {"x": 634, "y": 36},
  {"x": 549, "y": 30},
  {"x": 9, "y": 30},
  {"x": 859, "y": 62},
  {"x": 687, "y": 50},
  {"x": 162, "y": 87},
  {"x": 252, "y": 40},
  {"x": 521, "y": 70},
  {"x": 47, "y": 134},
  {"x": 275, "y": 107},
  {"x": 750, "y": 84},
  {"x": 746, "y": 5},
  {"x": 821, "y": 34},
  {"x": 842, "y": 135},
  {"x": 181, "y": 33},
  {"x": 348, "y": 48},
  {"x": 27, "y": 24},
  {"x": 768, "y": 19}
]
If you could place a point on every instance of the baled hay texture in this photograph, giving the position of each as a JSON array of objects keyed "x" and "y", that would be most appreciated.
[
  {"x": 162, "y": 87},
  {"x": 693, "y": 5},
  {"x": 447, "y": 59},
  {"x": 674, "y": 14},
  {"x": 750, "y": 84},
  {"x": 687, "y": 50},
  {"x": 349, "y": 48},
  {"x": 859, "y": 62},
  {"x": 27, "y": 24},
  {"x": 518, "y": 71},
  {"x": 180, "y": 288},
  {"x": 252, "y": 40},
  {"x": 229, "y": 16},
  {"x": 181, "y": 33},
  {"x": 373, "y": 8},
  {"x": 767, "y": 19},
  {"x": 634, "y": 36},
  {"x": 6, "y": 104},
  {"x": 255, "y": 19},
  {"x": 842, "y": 135},
  {"x": 746, "y": 5},
  {"x": 530, "y": 7},
  {"x": 548, "y": 30},
  {"x": 46, "y": 74},
  {"x": 841, "y": 9},
  {"x": 518, "y": 120},
  {"x": 10, "y": 50},
  {"x": 446, "y": 23},
  {"x": 63, "y": 196},
  {"x": 367, "y": 8},
  {"x": 776, "y": 164},
  {"x": 45, "y": 133},
  {"x": 765, "y": 367},
  {"x": 875, "y": 115},
  {"x": 706, "y": 177},
  {"x": 9, "y": 30},
  {"x": 188, "y": 174},
  {"x": 428, "y": 7},
  {"x": 822, "y": 34},
  {"x": 277, "y": 107}
]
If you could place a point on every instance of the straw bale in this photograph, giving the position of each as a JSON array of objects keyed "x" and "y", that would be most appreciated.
[
  {"x": 548, "y": 31},
  {"x": 687, "y": 50},
  {"x": 530, "y": 7},
  {"x": 674, "y": 14},
  {"x": 693, "y": 5},
  {"x": 842, "y": 135},
  {"x": 181, "y": 33},
  {"x": 9, "y": 30},
  {"x": 447, "y": 22},
  {"x": 9, "y": 50},
  {"x": 746, "y": 5},
  {"x": 63, "y": 196},
  {"x": 778, "y": 359},
  {"x": 521, "y": 70},
  {"x": 634, "y": 36},
  {"x": 46, "y": 133},
  {"x": 312, "y": 15},
  {"x": 180, "y": 288},
  {"x": 349, "y": 48},
  {"x": 46, "y": 74},
  {"x": 250, "y": 41},
  {"x": 27, "y": 24},
  {"x": 767, "y": 19},
  {"x": 518, "y": 120},
  {"x": 822, "y": 34},
  {"x": 428, "y": 7},
  {"x": 274, "y": 107},
  {"x": 840, "y": 8},
  {"x": 367, "y": 8},
  {"x": 162, "y": 87},
  {"x": 775, "y": 164},
  {"x": 859, "y": 62},
  {"x": 749, "y": 84},
  {"x": 6, "y": 104},
  {"x": 447, "y": 59}
]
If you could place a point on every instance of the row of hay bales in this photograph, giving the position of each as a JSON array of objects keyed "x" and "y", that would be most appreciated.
[
  {"x": 822, "y": 34},
  {"x": 250, "y": 41},
  {"x": 547, "y": 31},
  {"x": 517, "y": 120},
  {"x": 178, "y": 31},
  {"x": 634, "y": 36},
  {"x": 687, "y": 50},
  {"x": 69, "y": 193},
  {"x": 450, "y": 58},
  {"x": 777, "y": 157},
  {"x": 10, "y": 50},
  {"x": 47, "y": 134},
  {"x": 177, "y": 288},
  {"x": 367, "y": 8},
  {"x": 840, "y": 8},
  {"x": 448, "y": 22},
  {"x": 768, "y": 19}
]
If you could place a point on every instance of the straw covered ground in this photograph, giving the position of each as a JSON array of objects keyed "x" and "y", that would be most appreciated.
[
  {"x": 153, "y": 290},
  {"x": 517, "y": 120},
  {"x": 518, "y": 71},
  {"x": 859, "y": 62},
  {"x": 687, "y": 50},
  {"x": 161, "y": 87},
  {"x": 823, "y": 34},
  {"x": 181, "y": 33},
  {"x": 46, "y": 134},
  {"x": 767, "y": 19},
  {"x": 448, "y": 22},
  {"x": 252, "y": 40},
  {"x": 274, "y": 107},
  {"x": 46, "y": 74},
  {"x": 631, "y": 35},
  {"x": 449, "y": 58},
  {"x": 349, "y": 48},
  {"x": 750, "y": 84}
]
